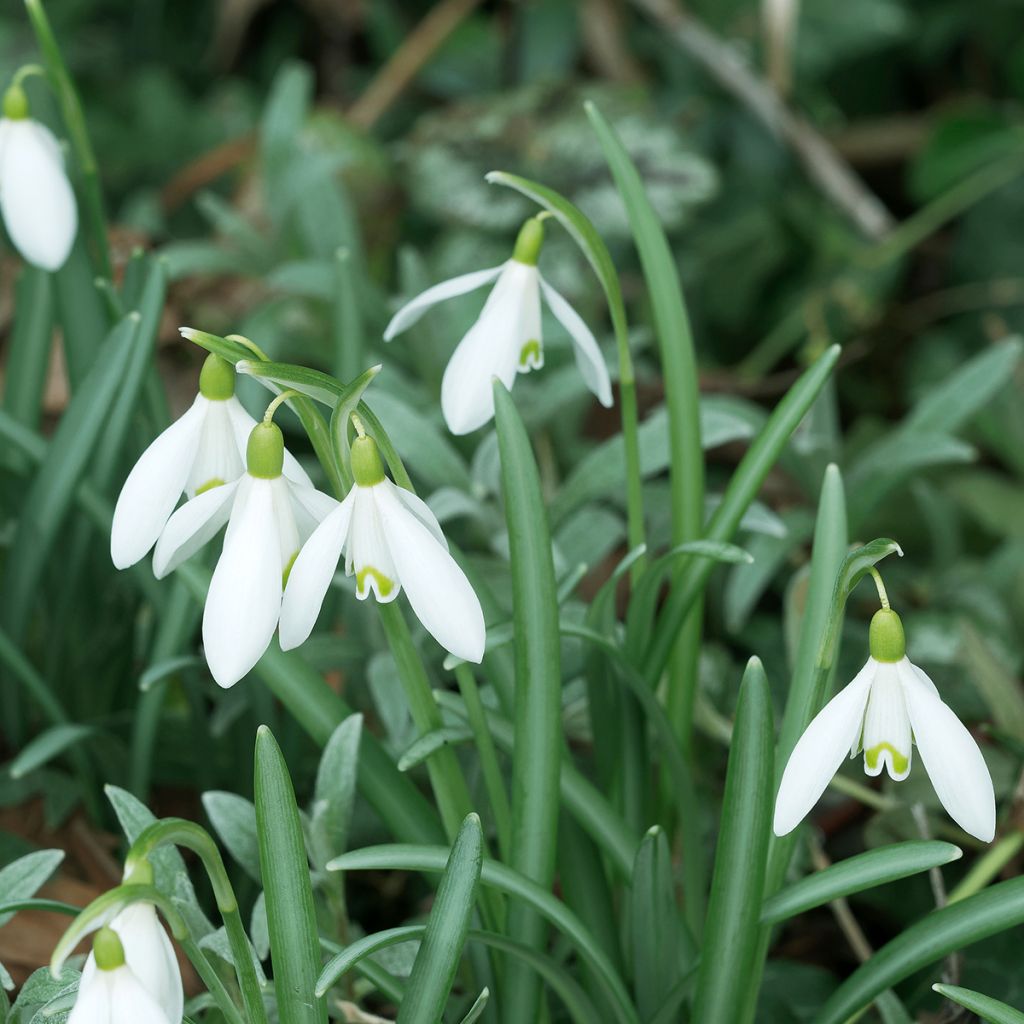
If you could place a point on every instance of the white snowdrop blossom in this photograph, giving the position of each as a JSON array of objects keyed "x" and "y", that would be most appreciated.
[
  {"x": 506, "y": 338},
  {"x": 36, "y": 198},
  {"x": 112, "y": 993},
  {"x": 391, "y": 540},
  {"x": 268, "y": 516},
  {"x": 202, "y": 450},
  {"x": 149, "y": 955},
  {"x": 890, "y": 705}
]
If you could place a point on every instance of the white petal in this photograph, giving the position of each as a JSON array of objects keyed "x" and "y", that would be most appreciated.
[
  {"x": 820, "y": 751},
  {"x": 420, "y": 509},
  {"x": 367, "y": 553},
  {"x": 242, "y": 424},
  {"x": 490, "y": 349},
  {"x": 886, "y": 738},
  {"x": 36, "y": 199},
  {"x": 311, "y": 507},
  {"x": 154, "y": 486},
  {"x": 244, "y": 600},
  {"x": 149, "y": 954},
  {"x": 217, "y": 460},
  {"x": 130, "y": 1002},
  {"x": 415, "y": 308},
  {"x": 92, "y": 1002},
  {"x": 588, "y": 355},
  {"x": 951, "y": 757},
  {"x": 312, "y": 573},
  {"x": 195, "y": 523},
  {"x": 437, "y": 588}
]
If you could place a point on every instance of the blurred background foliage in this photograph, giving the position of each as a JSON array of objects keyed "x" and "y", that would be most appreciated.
[{"x": 247, "y": 141}]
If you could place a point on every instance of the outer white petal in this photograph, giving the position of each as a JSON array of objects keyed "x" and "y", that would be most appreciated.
[
  {"x": 490, "y": 349},
  {"x": 192, "y": 526},
  {"x": 93, "y": 1001},
  {"x": 130, "y": 1002},
  {"x": 420, "y": 509},
  {"x": 36, "y": 199},
  {"x": 820, "y": 751},
  {"x": 310, "y": 507},
  {"x": 312, "y": 573},
  {"x": 244, "y": 600},
  {"x": 886, "y": 738},
  {"x": 242, "y": 424},
  {"x": 588, "y": 355},
  {"x": 149, "y": 954},
  {"x": 437, "y": 588},
  {"x": 415, "y": 308},
  {"x": 952, "y": 758},
  {"x": 154, "y": 486}
]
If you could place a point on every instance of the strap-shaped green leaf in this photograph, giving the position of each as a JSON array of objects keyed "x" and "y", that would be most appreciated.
[
  {"x": 987, "y": 1008},
  {"x": 997, "y": 909},
  {"x": 294, "y": 946},
  {"x": 538, "y": 733},
  {"x": 433, "y": 971},
  {"x": 857, "y": 873},
  {"x": 730, "y": 931}
]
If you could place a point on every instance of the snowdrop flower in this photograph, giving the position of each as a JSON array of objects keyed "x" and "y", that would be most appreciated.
[
  {"x": 889, "y": 705},
  {"x": 268, "y": 517},
  {"x": 36, "y": 199},
  {"x": 506, "y": 338},
  {"x": 147, "y": 951},
  {"x": 204, "y": 449},
  {"x": 391, "y": 540},
  {"x": 112, "y": 993}
]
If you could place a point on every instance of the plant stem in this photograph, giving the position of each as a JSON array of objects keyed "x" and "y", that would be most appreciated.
[
  {"x": 74, "y": 120},
  {"x": 488, "y": 755},
  {"x": 211, "y": 980},
  {"x": 178, "y": 832}
]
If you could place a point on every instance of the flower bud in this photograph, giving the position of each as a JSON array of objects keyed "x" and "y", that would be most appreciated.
[
  {"x": 885, "y": 637},
  {"x": 529, "y": 241},
  {"x": 367, "y": 468},
  {"x": 217, "y": 379},
  {"x": 107, "y": 950},
  {"x": 15, "y": 103},
  {"x": 265, "y": 452}
]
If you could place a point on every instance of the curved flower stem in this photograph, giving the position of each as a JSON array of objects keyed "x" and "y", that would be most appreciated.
[
  {"x": 880, "y": 587},
  {"x": 278, "y": 402},
  {"x": 178, "y": 832},
  {"x": 212, "y": 981},
  {"x": 74, "y": 121}
]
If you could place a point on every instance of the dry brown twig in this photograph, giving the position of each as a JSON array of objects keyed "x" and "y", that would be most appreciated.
[{"x": 833, "y": 176}]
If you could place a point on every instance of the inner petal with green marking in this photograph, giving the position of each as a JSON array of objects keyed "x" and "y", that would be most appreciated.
[
  {"x": 214, "y": 481},
  {"x": 288, "y": 569},
  {"x": 900, "y": 762},
  {"x": 531, "y": 356},
  {"x": 368, "y": 577}
]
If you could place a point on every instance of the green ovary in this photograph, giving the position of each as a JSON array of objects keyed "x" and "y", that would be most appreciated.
[
  {"x": 214, "y": 481},
  {"x": 531, "y": 355},
  {"x": 384, "y": 585},
  {"x": 899, "y": 761}
]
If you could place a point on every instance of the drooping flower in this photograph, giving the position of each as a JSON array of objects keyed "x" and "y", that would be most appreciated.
[
  {"x": 506, "y": 338},
  {"x": 890, "y": 705},
  {"x": 268, "y": 516},
  {"x": 111, "y": 992},
  {"x": 202, "y": 450},
  {"x": 391, "y": 540},
  {"x": 149, "y": 955},
  {"x": 36, "y": 199}
]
